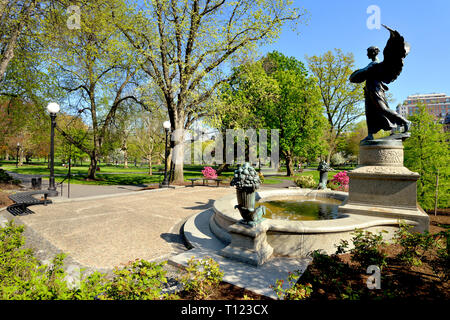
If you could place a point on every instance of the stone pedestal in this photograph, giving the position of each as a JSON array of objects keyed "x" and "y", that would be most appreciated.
[
  {"x": 382, "y": 186},
  {"x": 248, "y": 244}
]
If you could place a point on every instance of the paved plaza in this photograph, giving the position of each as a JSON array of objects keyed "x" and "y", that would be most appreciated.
[
  {"x": 102, "y": 227},
  {"x": 102, "y": 232}
]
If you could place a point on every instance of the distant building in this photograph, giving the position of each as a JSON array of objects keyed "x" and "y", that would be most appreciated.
[{"x": 437, "y": 104}]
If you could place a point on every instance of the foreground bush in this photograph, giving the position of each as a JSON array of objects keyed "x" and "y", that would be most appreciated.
[
  {"x": 21, "y": 274},
  {"x": 345, "y": 276},
  {"x": 139, "y": 280},
  {"x": 23, "y": 277},
  {"x": 202, "y": 277}
]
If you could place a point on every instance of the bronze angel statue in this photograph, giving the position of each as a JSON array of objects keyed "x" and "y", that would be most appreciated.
[{"x": 377, "y": 74}]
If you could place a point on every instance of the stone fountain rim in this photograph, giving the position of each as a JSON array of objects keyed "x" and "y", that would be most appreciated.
[{"x": 224, "y": 208}]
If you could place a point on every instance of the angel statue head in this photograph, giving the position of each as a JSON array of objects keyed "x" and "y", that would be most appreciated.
[{"x": 372, "y": 53}]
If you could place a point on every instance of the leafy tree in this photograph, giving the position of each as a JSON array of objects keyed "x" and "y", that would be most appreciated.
[
  {"x": 340, "y": 97},
  {"x": 15, "y": 16},
  {"x": 93, "y": 64},
  {"x": 184, "y": 45},
  {"x": 24, "y": 122},
  {"x": 426, "y": 152},
  {"x": 236, "y": 107},
  {"x": 297, "y": 112},
  {"x": 78, "y": 130},
  {"x": 148, "y": 138}
]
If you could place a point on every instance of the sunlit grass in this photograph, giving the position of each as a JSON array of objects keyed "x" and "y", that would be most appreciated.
[{"x": 134, "y": 175}]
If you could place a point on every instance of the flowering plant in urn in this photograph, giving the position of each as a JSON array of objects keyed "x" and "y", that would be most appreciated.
[{"x": 246, "y": 180}]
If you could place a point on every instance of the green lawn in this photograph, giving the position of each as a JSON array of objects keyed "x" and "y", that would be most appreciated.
[
  {"x": 118, "y": 175},
  {"x": 108, "y": 175}
]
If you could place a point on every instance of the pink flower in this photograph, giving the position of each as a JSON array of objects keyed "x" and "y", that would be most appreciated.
[
  {"x": 342, "y": 180},
  {"x": 209, "y": 173}
]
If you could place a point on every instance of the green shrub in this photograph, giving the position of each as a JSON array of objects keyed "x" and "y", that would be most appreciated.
[
  {"x": 23, "y": 277},
  {"x": 441, "y": 265},
  {"x": 366, "y": 249},
  {"x": 294, "y": 291},
  {"x": 4, "y": 177},
  {"x": 202, "y": 277},
  {"x": 138, "y": 280},
  {"x": 414, "y": 245},
  {"x": 305, "y": 182},
  {"x": 91, "y": 287},
  {"x": 331, "y": 266}
]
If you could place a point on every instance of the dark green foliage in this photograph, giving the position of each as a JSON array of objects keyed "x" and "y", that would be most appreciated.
[
  {"x": 366, "y": 249},
  {"x": 5, "y": 177},
  {"x": 414, "y": 245},
  {"x": 333, "y": 278},
  {"x": 427, "y": 153}
]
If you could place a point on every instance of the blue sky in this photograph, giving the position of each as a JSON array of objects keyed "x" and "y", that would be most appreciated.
[{"x": 342, "y": 24}]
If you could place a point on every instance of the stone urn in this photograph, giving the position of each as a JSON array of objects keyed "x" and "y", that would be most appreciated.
[{"x": 246, "y": 180}]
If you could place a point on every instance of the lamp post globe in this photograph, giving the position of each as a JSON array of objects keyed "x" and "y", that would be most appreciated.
[
  {"x": 166, "y": 125},
  {"x": 165, "y": 182},
  {"x": 53, "y": 109}
]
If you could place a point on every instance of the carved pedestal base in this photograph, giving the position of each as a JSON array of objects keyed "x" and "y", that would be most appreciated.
[
  {"x": 382, "y": 186},
  {"x": 248, "y": 244}
]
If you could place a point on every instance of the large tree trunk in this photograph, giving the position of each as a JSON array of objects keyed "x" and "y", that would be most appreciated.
[
  {"x": 177, "y": 143},
  {"x": 289, "y": 165},
  {"x": 94, "y": 156},
  {"x": 150, "y": 169},
  {"x": 92, "y": 171},
  {"x": 329, "y": 155},
  {"x": 125, "y": 153},
  {"x": 21, "y": 157},
  {"x": 222, "y": 167},
  {"x": 178, "y": 174}
]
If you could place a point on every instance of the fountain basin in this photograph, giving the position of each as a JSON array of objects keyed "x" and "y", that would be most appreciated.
[{"x": 299, "y": 238}]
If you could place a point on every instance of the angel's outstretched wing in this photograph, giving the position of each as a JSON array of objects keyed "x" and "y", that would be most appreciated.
[{"x": 394, "y": 52}]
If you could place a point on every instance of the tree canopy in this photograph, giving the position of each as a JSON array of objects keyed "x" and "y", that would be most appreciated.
[
  {"x": 279, "y": 94},
  {"x": 183, "y": 47},
  {"x": 340, "y": 98},
  {"x": 427, "y": 153}
]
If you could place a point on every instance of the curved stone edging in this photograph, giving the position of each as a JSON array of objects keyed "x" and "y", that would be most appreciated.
[{"x": 298, "y": 238}]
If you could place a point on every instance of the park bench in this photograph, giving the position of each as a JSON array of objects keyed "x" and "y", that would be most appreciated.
[
  {"x": 24, "y": 199},
  {"x": 205, "y": 180}
]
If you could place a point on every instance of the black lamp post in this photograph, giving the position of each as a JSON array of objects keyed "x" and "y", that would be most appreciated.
[
  {"x": 165, "y": 182},
  {"x": 17, "y": 155},
  {"x": 53, "y": 109}
]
